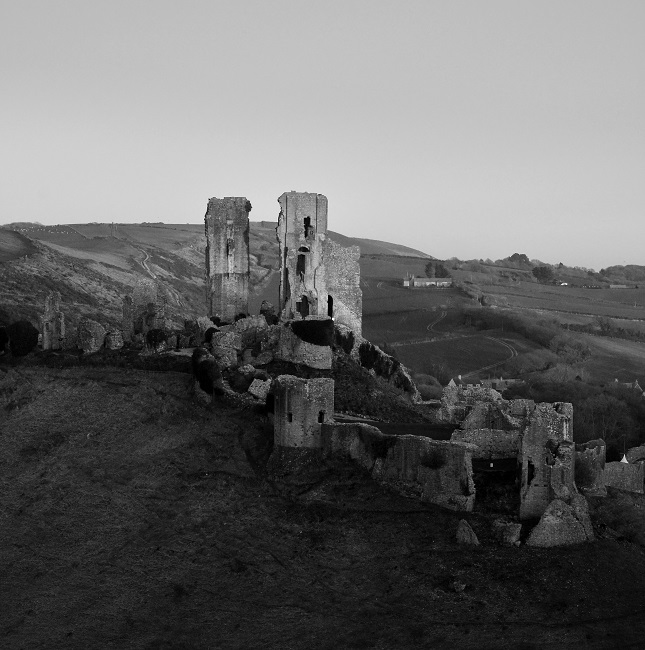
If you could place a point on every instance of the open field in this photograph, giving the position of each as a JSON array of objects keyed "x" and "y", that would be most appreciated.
[
  {"x": 386, "y": 295},
  {"x": 462, "y": 355},
  {"x": 618, "y": 303},
  {"x": 615, "y": 359},
  {"x": 131, "y": 518}
]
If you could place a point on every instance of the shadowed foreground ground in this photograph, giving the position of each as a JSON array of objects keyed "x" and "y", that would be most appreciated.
[{"x": 130, "y": 518}]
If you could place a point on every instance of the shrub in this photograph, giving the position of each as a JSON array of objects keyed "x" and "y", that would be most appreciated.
[
  {"x": 23, "y": 338},
  {"x": 155, "y": 337}
]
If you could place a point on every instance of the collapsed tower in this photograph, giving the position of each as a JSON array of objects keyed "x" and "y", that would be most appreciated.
[
  {"x": 227, "y": 257},
  {"x": 53, "y": 323},
  {"x": 318, "y": 277}
]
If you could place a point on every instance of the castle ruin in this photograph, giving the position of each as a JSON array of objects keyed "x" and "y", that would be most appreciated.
[
  {"x": 227, "y": 257},
  {"x": 318, "y": 277},
  {"x": 53, "y": 323}
]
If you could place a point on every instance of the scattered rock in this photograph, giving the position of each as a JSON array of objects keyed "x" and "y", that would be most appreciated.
[
  {"x": 558, "y": 526},
  {"x": 507, "y": 532},
  {"x": 260, "y": 389},
  {"x": 465, "y": 534}
]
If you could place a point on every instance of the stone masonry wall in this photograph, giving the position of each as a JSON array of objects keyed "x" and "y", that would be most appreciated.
[
  {"x": 302, "y": 406},
  {"x": 318, "y": 277},
  {"x": 227, "y": 257},
  {"x": 434, "y": 471},
  {"x": 625, "y": 476},
  {"x": 548, "y": 458}
]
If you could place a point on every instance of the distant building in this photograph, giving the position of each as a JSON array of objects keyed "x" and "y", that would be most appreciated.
[
  {"x": 412, "y": 281},
  {"x": 618, "y": 286}
]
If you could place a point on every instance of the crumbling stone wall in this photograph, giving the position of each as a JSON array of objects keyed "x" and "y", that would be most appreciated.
[
  {"x": 434, "y": 471},
  {"x": 625, "y": 476},
  {"x": 490, "y": 444},
  {"x": 547, "y": 458},
  {"x": 145, "y": 310},
  {"x": 590, "y": 467},
  {"x": 53, "y": 323},
  {"x": 227, "y": 257},
  {"x": 317, "y": 276},
  {"x": 302, "y": 406},
  {"x": 344, "y": 284}
]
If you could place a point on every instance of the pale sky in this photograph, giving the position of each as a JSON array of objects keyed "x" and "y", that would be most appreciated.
[{"x": 467, "y": 128}]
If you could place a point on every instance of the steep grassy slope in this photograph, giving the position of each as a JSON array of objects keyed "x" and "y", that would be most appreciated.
[{"x": 132, "y": 518}]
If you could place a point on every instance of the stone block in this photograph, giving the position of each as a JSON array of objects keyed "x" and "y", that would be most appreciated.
[
  {"x": 465, "y": 534},
  {"x": 260, "y": 389},
  {"x": 114, "y": 340},
  {"x": 507, "y": 532},
  {"x": 625, "y": 476},
  {"x": 558, "y": 526},
  {"x": 91, "y": 336}
]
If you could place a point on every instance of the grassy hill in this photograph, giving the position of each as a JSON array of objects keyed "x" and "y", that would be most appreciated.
[{"x": 132, "y": 517}]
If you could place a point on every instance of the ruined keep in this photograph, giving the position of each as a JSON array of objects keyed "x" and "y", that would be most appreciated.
[
  {"x": 53, "y": 323},
  {"x": 227, "y": 257},
  {"x": 144, "y": 310},
  {"x": 534, "y": 439},
  {"x": 318, "y": 277}
]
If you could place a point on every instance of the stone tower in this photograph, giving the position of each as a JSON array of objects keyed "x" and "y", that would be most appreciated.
[
  {"x": 53, "y": 323},
  {"x": 318, "y": 277},
  {"x": 302, "y": 406},
  {"x": 227, "y": 257}
]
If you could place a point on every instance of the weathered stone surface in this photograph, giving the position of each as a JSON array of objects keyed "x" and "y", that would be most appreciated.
[
  {"x": 465, "y": 534},
  {"x": 490, "y": 443},
  {"x": 590, "y": 468},
  {"x": 635, "y": 454},
  {"x": 625, "y": 476},
  {"x": 247, "y": 369},
  {"x": 91, "y": 335},
  {"x": 225, "y": 347},
  {"x": 227, "y": 257},
  {"x": 265, "y": 357},
  {"x": 317, "y": 277},
  {"x": 292, "y": 348},
  {"x": 183, "y": 341},
  {"x": 52, "y": 323},
  {"x": 507, "y": 532},
  {"x": 558, "y": 526},
  {"x": 171, "y": 341},
  {"x": 302, "y": 406},
  {"x": 580, "y": 508},
  {"x": 260, "y": 389},
  {"x": 114, "y": 340},
  {"x": 547, "y": 456},
  {"x": 434, "y": 471},
  {"x": 268, "y": 311}
]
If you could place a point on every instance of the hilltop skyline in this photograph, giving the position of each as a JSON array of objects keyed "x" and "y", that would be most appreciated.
[{"x": 466, "y": 129}]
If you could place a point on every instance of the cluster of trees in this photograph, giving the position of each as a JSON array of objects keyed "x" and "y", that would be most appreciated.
[{"x": 436, "y": 269}]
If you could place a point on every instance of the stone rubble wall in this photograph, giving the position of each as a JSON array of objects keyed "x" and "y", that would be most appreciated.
[
  {"x": 434, "y": 471},
  {"x": 490, "y": 443},
  {"x": 590, "y": 468},
  {"x": 625, "y": 476}
]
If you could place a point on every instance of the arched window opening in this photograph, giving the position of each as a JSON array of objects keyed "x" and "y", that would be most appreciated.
[
  {"x": 321, "y": 416},
  {"x": 330, "y": 307},
  {"x": 308, "y": 228}
]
